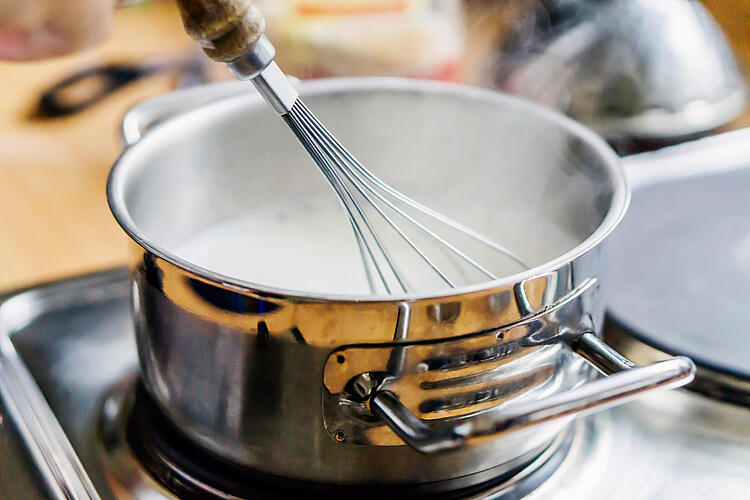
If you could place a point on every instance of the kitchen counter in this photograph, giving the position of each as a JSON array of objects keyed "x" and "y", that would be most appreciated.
[{"x": 54, "y": 218}]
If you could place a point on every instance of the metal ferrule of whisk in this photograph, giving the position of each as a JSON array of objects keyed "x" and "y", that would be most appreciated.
[{"x": 258, "y": 66}]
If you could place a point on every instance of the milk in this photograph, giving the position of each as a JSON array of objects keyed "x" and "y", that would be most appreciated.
[
  {"x": 304, "y": 246},
  {"x": 307, "y": 245}
]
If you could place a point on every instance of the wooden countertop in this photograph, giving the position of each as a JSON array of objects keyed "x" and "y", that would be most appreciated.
[{"x": 54, "y": 219}]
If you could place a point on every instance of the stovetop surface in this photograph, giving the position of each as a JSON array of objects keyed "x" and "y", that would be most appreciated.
[
  {"x": 698, "y": 253},
  {"x": 76, "y": 339}
]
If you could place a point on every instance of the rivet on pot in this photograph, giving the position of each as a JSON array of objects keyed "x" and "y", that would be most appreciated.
[
  {"x": 340, "y": 359},
  {"x": 500, "y": 335},
  {"x": 339, "y": 435}
]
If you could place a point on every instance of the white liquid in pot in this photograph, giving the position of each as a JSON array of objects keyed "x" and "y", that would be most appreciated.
[
  {"x": 309, "y": 246},
  {"x": 304, "y": 246}
]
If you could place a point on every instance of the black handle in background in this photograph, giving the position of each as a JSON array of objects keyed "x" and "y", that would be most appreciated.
[{"x": 62, "y": 99}]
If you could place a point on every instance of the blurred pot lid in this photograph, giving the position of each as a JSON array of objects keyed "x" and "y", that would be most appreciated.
[{"x": 635, "y": 68}]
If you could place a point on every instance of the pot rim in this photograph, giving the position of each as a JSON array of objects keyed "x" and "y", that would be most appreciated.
[{"x": 615, "y": 213}]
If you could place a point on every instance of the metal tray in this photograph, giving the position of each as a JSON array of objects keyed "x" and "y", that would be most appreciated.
[{"x": 61, "y": 346}]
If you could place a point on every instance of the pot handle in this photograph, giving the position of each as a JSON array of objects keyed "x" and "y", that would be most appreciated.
[
  {"x": 626, "y": 382},
  {"x": 709, "y": 155},
  {"x": 145, "y": 115},
  {"x": 150, "y": 112}
]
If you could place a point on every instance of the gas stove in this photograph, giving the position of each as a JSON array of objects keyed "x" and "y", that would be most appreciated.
[{"x": 75, "y": 422}]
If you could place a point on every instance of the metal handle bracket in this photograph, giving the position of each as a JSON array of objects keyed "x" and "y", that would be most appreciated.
[{"x": 628, "y": 382}]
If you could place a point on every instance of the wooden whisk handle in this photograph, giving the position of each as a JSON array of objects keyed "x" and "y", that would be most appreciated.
[{"x": 225, "y": 29}]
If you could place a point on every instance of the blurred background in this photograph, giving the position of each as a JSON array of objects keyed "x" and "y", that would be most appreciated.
[{"x": 642, "y": 73}]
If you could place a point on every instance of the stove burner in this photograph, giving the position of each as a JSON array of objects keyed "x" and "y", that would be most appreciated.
[
  {"x": 678, "y": 273},
  {"x": 146, "y": 451}
]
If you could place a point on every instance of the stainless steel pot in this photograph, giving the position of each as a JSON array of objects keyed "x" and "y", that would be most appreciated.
[{"x": 329, "y": 388}]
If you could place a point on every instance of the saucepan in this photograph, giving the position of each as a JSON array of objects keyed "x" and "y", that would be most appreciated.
[{"x": 451, "y": 386}]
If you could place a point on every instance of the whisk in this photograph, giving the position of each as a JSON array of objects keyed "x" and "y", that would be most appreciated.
[{"x": 231, "y": 31}]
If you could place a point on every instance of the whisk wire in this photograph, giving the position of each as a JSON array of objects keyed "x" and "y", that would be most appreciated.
[
  {"x": 333, "y": 150},
  {"x": 321, "y": 162},
  {"x": 344, "y": 199},
  {"x": 351, "y": 207},
  {"x": 347, "y": 175},
  {"x": 413, "y": 203}
]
